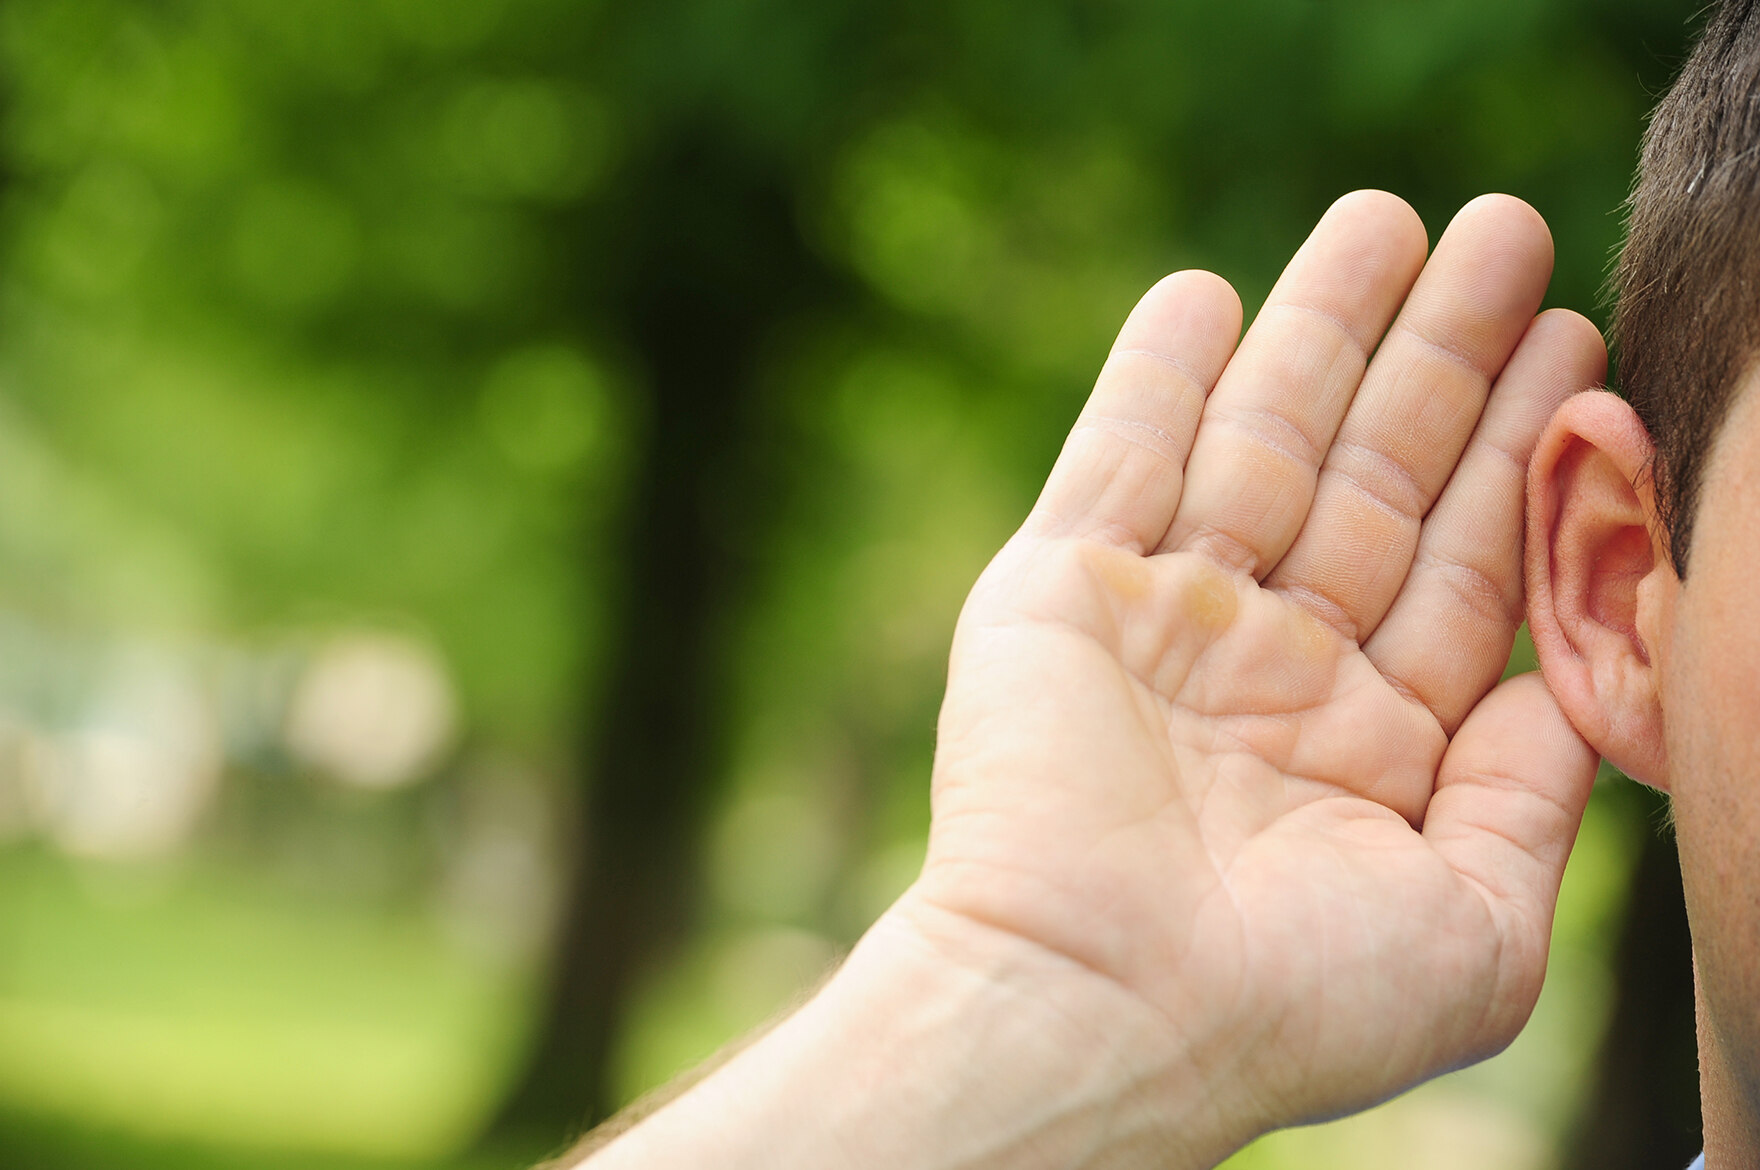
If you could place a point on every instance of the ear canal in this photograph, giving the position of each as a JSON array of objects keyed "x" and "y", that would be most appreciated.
[
  {"x": 1597, "y": 547},
  {"x": 1624, "y": 558}
]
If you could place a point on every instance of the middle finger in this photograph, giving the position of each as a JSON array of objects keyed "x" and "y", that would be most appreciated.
[
  {"x": 1271, "y": 417},
  {"x": 1411, "y": 419}
]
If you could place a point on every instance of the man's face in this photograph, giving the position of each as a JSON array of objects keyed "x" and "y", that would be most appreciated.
[{"x": 1710, "y": 668}]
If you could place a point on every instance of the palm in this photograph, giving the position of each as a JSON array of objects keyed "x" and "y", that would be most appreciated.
[{"x": 1217, "y": 724}]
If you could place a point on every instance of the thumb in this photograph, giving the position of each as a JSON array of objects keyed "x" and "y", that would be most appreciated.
[{"x": 1509, "y": 799}]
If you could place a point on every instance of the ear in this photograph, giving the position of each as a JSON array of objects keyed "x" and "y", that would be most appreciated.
[{"x": 1600, "y": 583}]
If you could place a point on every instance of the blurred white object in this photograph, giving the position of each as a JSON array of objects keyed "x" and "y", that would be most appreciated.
[
  {"x": 500, "y": 896},
  {"x": 373, "y": 710},
  {"x": 134, "y": 777}
]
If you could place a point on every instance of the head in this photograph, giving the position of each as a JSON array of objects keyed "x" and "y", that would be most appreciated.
[{"x": 1644, "y": 535}]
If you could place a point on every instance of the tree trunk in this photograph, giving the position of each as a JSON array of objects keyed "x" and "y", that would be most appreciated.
[
  {"x": 1644, "y": 1108},
  {"x": 712, "y": 263}
]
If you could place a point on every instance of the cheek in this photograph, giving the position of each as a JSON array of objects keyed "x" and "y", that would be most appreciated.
[
  {"x": 1711, "y": 700},
  {"x": 1711, "y": 713},
  {"x": 1709, "y": 662}
]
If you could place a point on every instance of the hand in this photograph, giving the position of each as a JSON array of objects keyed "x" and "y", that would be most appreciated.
[
  {"x": 1233, "y": 826},
  {"x": 1223, "y": 743}
]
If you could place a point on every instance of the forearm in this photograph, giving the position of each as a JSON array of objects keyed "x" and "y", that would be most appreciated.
[{"x": 913, "y": 1058}]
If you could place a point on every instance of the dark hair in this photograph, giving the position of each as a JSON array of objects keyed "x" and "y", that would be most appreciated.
[{"x": 1687, "y": 318}]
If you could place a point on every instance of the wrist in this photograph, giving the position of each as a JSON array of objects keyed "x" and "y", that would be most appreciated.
[
  {"x": 1078, "y": 1067},
  {"x": 944, "y": 1043}
]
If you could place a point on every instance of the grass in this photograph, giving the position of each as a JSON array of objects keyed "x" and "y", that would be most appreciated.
[{"x": 210, "y": 1010}]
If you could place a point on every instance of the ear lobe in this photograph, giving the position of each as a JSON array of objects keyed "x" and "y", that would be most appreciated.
[{"x": 1599, "y": 580}]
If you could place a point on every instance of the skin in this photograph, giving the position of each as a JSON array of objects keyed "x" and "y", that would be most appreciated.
[
  {"x": 1234, "y": 826},
  {"x": 1711, "y": 697},
  {"x": 1663, "y": 677}
]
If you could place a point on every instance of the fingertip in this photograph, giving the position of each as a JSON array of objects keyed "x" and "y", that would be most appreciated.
[
  {"x": 1196, "y": 282},
  {"x": 1551, "y": 736},
  {"x": 1574, "y": 323},
  {"x": 1510, "y": 228},
  {"x": 1577, "y": 337},
  {"x": 1385, "y": 214},
  {"x": 1191, "y": 301},
  {"x": 1511, "y": 214},
  {"x": 1560, "y": 356}
]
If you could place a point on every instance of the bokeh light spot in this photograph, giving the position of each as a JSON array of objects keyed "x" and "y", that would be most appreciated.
[{"x": 373, "y": 710}]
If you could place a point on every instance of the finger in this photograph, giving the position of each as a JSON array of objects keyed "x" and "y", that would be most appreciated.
[
  {"x": 1448, "y": 635},
  {"x": 1119, "y": 475},
  {"x": 1411, "y": 419},
  {"x": 1273, "y": 413},
  {"x": 1509, "y": 799}
]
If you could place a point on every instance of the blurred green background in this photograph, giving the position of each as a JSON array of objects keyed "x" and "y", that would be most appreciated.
[{"x": 486, "y": 485}]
